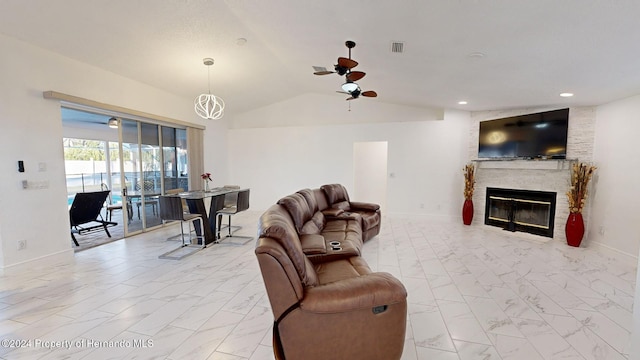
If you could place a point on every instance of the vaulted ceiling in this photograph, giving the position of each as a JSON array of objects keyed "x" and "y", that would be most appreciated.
[{"x": 494, "y": 54}]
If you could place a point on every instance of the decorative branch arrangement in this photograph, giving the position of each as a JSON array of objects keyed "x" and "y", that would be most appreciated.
[
  {"x": 469, "y": 180},
  {"x": 577, "y": 195}
]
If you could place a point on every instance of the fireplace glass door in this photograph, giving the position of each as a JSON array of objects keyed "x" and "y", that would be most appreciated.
[{"x": 521, "y": 210}]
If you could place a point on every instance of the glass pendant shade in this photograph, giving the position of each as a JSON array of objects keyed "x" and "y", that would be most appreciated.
[{"x": 349, "y": 87}]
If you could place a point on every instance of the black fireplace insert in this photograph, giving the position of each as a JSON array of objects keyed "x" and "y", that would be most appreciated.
[{"x": 521, "y": 210}]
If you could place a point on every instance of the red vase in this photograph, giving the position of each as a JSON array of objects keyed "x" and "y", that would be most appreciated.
[
  {"x": 467, "y": 212},
  {"x": 574, "y": 229}
]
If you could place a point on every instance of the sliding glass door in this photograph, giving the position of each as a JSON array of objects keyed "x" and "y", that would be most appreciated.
[
  {"x": 130, "y": 175},
  {"x": 136, "y": 160},
  {"x": 153, "y": 160},
  {"x": 174, "y": 153},
  {"x": 150, "y": 184}
]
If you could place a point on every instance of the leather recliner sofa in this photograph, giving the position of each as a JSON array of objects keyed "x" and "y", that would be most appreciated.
[{"x": 326, "y": 301}]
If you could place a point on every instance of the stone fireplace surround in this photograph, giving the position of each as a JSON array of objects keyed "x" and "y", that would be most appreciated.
[{"x": 537, "y": 175}]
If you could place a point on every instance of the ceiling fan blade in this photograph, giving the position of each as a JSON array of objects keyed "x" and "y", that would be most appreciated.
[
  {"x": 326, "y": 72},
  {"x": 343, "y": 92},
  {"x": 348, "y": 63},
  {"x": 355, "y": 75},
  {"x": 370, "y": 93},
  {"x": 351, "y": 98}
]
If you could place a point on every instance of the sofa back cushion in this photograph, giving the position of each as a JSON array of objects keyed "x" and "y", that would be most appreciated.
[
  {"x": 336, "y": 193},
  {"x": 315, "y": 225},
  {"x": 276, "y": 223},
  {"x": 298, "y": 208},
  {"x": 310, "y": 198},
  {"x": 321, "y": 199}
]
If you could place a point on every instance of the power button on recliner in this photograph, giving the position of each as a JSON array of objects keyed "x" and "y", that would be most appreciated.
[{"x": 379, "y": 309}]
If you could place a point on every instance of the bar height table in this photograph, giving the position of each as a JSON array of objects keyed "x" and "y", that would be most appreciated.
[{"x": 196, "y": 201}]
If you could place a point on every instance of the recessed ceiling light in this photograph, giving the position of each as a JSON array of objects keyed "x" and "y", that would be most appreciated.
[
  {"x": 241, "y": 41},
  {"x": 462, "y": 102},
  {"x": 566, "y": 94}
]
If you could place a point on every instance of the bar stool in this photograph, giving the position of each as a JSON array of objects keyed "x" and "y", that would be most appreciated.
[
  {"x": 171, "y": 210},
  {"x": 242, "y": 204}
]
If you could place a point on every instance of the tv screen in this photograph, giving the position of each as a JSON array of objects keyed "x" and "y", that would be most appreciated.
[{"x": 534, "y": 136}]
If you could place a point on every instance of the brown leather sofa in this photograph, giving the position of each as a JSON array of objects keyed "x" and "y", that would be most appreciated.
[
  {"x": 326, "y": 301},
  {"x": 338, "y": 197}
]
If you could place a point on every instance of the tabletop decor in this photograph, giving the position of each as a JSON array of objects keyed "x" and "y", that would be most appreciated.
[
  {"x": 207, "y": 178},
  {"x": 577, "y": 196},
  {"x": 469, "y": 183}
]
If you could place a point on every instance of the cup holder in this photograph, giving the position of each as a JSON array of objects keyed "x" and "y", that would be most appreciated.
[
  {"x": 336, "y": 248},
  {"x": 334, "y": 243}
]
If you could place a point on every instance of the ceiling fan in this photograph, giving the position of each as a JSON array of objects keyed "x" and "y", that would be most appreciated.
[
  {"x": 344, "y": 68},
  {"x": 358, "y": 92}
]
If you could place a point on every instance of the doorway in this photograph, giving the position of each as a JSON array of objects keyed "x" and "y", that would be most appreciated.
[{"x": 370, "y": 172}]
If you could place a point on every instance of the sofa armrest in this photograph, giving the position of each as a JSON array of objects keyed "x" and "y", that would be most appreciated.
[
  {"x": 332, "y": 212},
  {"x": 355, "y": 205},
  {"x": 313, "y": 244},
  {"x": 366, "y": 291}
]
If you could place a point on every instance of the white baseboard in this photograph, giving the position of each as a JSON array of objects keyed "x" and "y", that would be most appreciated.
[
  {"x": 626, "y": 257},
  {"x": 439, "y": 217},
  {"x": 60, "y": 257}
]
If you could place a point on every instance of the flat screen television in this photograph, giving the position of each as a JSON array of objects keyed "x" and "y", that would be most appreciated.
[{"x": 533, "y": 136}]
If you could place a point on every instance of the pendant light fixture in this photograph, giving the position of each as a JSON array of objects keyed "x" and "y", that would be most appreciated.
[{"x": 209, "y": 106}]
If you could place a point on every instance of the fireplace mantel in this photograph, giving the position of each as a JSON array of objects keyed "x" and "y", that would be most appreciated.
[{"x": 515, "y": 164}]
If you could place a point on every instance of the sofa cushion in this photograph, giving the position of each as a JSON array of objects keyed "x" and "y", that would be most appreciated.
[
  {"x": 337, "y": 270},
  {"x": 319, "y": 219},
  {"x": 276, "y": 223},
  {"x": 321, "y": 199},
  {"x": 311, "y": 199},
  {"x": 335, "y": 193},
  {"x": 343, "y": 225},
  {"x": 298, "y": 208},
  {"x": 342, "y": 205},
  {"x": 310, "y": 228}
]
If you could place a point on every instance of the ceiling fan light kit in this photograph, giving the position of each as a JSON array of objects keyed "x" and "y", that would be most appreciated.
[
  {"x": 344, "y": 68},
  {"x": 349, "y": 87},
  {"x": 209, "y": 106},
  {"x": 113, "y": 123}
]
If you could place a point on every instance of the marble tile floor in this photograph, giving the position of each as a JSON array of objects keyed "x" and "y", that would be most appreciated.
[{"x": 474, "y": 293}]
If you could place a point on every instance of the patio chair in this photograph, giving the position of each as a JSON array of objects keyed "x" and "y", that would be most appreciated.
[{"x": 85, "y": 213}]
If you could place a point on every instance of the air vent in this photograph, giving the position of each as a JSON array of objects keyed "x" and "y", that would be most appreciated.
[
  {"x": 319, "y": 68},
  {"x": 397, "y": 47}
]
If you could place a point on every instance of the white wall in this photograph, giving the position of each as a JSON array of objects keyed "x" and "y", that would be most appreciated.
[
  {"x": 32, "y": 132},
  {"x": 425, "y": 157},
  {"x": 216, "y": 157},
  {"x": 616, "y": 195}
]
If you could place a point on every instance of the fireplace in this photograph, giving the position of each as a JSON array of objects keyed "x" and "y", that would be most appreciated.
[{"x": 521, "y": 210}]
